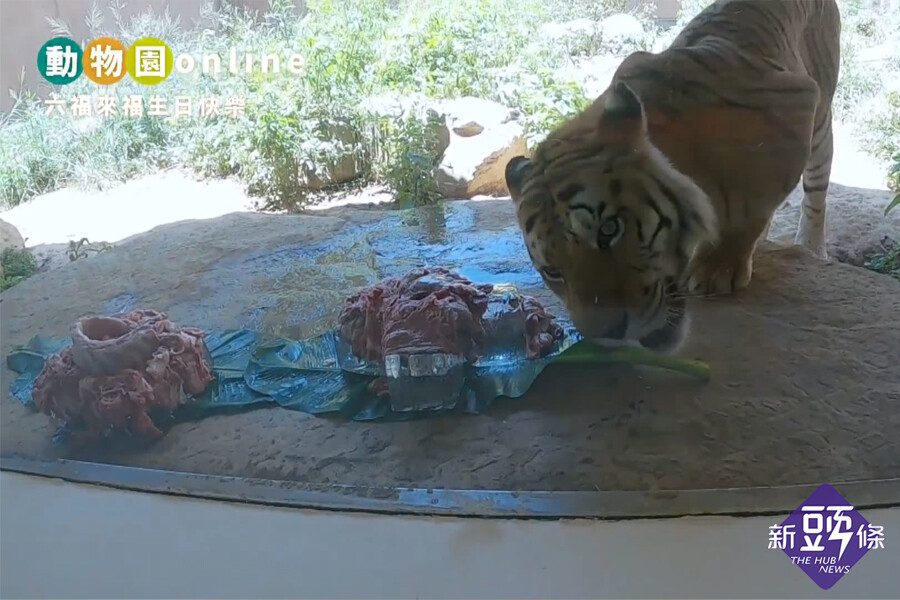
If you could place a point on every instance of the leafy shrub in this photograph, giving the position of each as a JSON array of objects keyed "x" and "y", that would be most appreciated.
[
  {"x": 542, "y": 97},
  {"x": 17, "y": 265},
  {"x": 352, "y": 50},
  {"x": 863, "y": 78},
  {"x": 40, "y": 152},
  {"x": 448, "y": 48},
  {"x": 886, "y": 262},
  {"x": 494, "y": 49},
  {"x": 406, "y": 158},
  {"x": 894, "y": 184}
]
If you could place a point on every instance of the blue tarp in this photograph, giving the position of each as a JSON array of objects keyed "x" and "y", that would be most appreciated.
[{"x": 310, "y": 376}]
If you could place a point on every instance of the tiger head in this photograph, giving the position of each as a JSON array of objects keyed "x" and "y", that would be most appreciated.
[{"x": 610, "y": 224}]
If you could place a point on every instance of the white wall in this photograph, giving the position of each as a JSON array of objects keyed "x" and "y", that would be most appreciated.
[{"x": 63, "y": 540}]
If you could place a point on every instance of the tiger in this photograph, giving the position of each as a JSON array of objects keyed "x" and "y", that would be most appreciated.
[{"x": 662, "y": 187}]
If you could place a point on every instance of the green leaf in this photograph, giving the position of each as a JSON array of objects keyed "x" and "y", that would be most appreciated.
[
  {"x": 894, "y": 203},
  {"x": 585, "y": 352}
]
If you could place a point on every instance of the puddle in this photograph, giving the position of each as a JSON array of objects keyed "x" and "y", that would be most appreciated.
[{"x": 298, "y": 291}]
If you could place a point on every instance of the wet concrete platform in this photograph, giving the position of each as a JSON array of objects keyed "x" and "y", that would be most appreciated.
[{"x": 805, "y": 386}]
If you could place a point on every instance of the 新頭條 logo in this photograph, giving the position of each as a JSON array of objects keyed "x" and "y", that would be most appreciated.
[{"x": 826, "y": 536}]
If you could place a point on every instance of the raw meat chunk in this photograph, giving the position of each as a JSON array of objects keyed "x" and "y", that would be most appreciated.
[{"x": 119, "y": 371}]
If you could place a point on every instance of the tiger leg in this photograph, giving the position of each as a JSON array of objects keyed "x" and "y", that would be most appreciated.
[
  {"x": 816, "y": 176},
  {"x": 726, "y": 267}
]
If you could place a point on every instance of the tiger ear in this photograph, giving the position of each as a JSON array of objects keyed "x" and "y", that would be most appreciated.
[
  {"x": 623, "y": 112},
  {"x": 517, "y": 169}
]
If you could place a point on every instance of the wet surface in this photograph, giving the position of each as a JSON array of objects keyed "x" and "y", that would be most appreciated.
[
  {"x": 298, "y": 290},
  {"x": 805, "y": 382}
]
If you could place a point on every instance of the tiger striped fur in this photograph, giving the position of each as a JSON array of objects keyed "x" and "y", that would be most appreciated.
[{"x": 663, "y": 186}]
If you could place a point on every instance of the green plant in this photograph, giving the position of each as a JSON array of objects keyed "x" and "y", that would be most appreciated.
[
  {"x": 286, "y": 137},
  {"x": 588, "y": 353},
  {"x": 881, "y": 130},
  {"x": 864, "y": 70},
  {"x": 886, "y": 262},
  {"x": 406, "y": 158},
  {"x": 448, "y": 48},
  {"x": 40, "y": 152},
  {"x": 83, "y": 247},
  {"x": 882, "y": 139},
  {"x": 894, "y": 184},
  {"x": 16, "y": 264},
  {"x": 545, "y": 100}
]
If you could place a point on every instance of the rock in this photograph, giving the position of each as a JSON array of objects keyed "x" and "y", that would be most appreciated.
[
  {"x": 468, "y": 129},
  {"x": 856, "y": 226},
  {"x": 350, "y": 162},
  {"x": 804, "y": 381},
  {"x": 10, "y": 236},
  {"x": 460, "y": 111},
  {"x": 51, "y": 256},
  {"x": 484, "y": 136}
]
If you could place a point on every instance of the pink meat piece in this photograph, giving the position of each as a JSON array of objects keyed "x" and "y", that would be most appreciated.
[
  {"x": 542, "y": 332},
  {"x": 427, "y": 311},
  {"x": 447, "y": 320},
  {"x": 117, "y": 403},
  {"x": 56, "y": 388},
  {"x": 437, "y": 311},
  {"x": 361, "y": 321},
  {"x": 118, "y": 371}
]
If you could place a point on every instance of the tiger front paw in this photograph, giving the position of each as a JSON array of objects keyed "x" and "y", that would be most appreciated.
[{"x": 719, "y": 273}]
